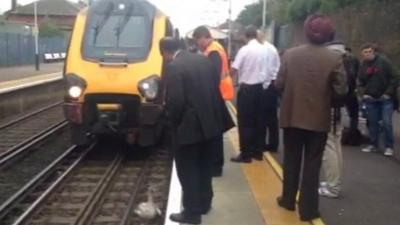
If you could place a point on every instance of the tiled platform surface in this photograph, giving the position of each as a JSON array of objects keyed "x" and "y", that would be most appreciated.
[{"x": 234, "y": 202}]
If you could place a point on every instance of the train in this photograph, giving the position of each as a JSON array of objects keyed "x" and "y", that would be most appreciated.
[{"x": 112, "y": 72}]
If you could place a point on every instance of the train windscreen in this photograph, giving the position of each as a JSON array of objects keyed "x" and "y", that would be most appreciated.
[{"x": 117, "y": 33}]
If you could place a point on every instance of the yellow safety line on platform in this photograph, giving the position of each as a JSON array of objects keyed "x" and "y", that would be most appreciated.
[
  {"x": 271, "y": 161},
  {"x": 275, "y": 165},
  {"x": 265, "y": 186}
]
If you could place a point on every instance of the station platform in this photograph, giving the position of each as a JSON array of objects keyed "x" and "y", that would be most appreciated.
[
  {"x": 21, "y": 72},
  {"x": 14, "y": 78},
  {"x": 24, "y": 90},
  {"x": 246, "y": 193},
  {"x": 28, "y": 82}
]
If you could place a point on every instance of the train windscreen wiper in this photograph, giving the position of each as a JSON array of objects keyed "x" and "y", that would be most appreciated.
[
  {"x": 122, "y": 23},
  {"x": 99, "y": 26}
]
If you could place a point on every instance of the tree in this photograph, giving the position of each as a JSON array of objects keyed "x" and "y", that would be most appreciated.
[
  {"x": 49, "y": 29},
  {"x": 252, "y": 15},
  {"x": 300, "y": 9},
  {"x": 292, "y": 10}
]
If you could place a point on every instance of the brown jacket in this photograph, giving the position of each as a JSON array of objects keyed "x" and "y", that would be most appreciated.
[{"x": 308, "y": 77}]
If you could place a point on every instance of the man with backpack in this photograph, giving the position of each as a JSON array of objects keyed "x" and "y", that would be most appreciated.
[
  {"x": 332, "y": 161},
  {"x": 352, "y": 136}
]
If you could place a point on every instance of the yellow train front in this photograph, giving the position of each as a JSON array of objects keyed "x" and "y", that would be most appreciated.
[{"x": 112, "y": 71}]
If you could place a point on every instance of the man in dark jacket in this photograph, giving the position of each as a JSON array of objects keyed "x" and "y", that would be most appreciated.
[
  {"x": 378, "y": 83},
  {"x": 197, "y": 114}
]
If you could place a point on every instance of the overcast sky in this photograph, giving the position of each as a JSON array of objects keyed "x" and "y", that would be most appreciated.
[{"x": 185, "y": 14}]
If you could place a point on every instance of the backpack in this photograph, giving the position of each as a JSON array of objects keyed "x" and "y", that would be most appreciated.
[
  {"x": 353, "y": 137},
  {"x": 350, "y": 64},
  {"x": 338, "y": 101}
]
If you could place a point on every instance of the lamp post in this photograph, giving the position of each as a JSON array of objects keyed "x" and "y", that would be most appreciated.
[
  {"x": 230, "y": 29},
  {"x": 36, "y": 34},
  {"x": 264, "y": 16}
]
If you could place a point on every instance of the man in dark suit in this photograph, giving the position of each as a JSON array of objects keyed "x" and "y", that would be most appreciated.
[{"x": 197, "y": 115}]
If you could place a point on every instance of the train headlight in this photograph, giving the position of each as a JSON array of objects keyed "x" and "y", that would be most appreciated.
[
  {"x": 75, "y": 85},
  {"x": 149, "y": 87},
  {"x": 75, "y": 91}
]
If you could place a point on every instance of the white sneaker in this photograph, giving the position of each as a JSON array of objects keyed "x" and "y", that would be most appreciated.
[
  {"x": 324, "y": 191},
  {"x": 388, "y": 152},
  {"x": 369, "y": 148},
  {"x": 323, "y": 184}
]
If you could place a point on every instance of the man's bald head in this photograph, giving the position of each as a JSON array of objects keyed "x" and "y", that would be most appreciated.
[{"x": 261, "y": 36}]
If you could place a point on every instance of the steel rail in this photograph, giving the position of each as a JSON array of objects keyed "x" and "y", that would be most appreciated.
[
  {"x": 52, "y": 188},
  {"x": 129, "y": 208},
  {"x": 19, "y": 149},
  {"x": 32, "y": 184},
  {"x": 96, "y": 195},
  {"x": 17, "y": 120}
]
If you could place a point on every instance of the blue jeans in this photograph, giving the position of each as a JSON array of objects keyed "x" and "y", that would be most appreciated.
[{"x": 380, "y": 110}]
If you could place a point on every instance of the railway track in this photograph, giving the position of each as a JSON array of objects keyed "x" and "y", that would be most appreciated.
[
  {"x": 33, "y": 188},
  {"x": 103, "y": 189},
  {"x": 70, "y": 188},
  {"x": 19, "y": 135}
]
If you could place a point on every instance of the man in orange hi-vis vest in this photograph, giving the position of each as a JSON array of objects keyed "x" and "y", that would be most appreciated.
[{"x": 218, "y": 56}]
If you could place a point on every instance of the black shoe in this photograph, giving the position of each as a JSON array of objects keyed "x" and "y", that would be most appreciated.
[
  {"x": 241, "y": 159},
  {"x": 185, "y": 218},
  {"x": 270, "y": 148},
  {"x": 258, "y": 156},
  {"x": 284, "y": 205},
  {"x": 309, "y": 218},
  {"x": 217, "y": 173},
  {"x": 205, "y": 210}
]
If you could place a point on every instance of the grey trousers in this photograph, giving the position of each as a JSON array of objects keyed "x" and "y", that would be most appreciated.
[{"x": 332, "y": 161}]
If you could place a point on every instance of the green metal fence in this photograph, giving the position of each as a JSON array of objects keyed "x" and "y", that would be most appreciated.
[{"x": 19, "y": 49}]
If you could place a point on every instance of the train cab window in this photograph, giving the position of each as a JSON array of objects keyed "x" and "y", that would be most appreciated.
[
  {"x": 132, "y": 35},
  {"x": 118, "y": 33}
]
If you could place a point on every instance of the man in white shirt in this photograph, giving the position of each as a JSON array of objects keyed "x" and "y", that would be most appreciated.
[
  {"x": 251, "y": 68},
  {"x": 269, "y": 101}
]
